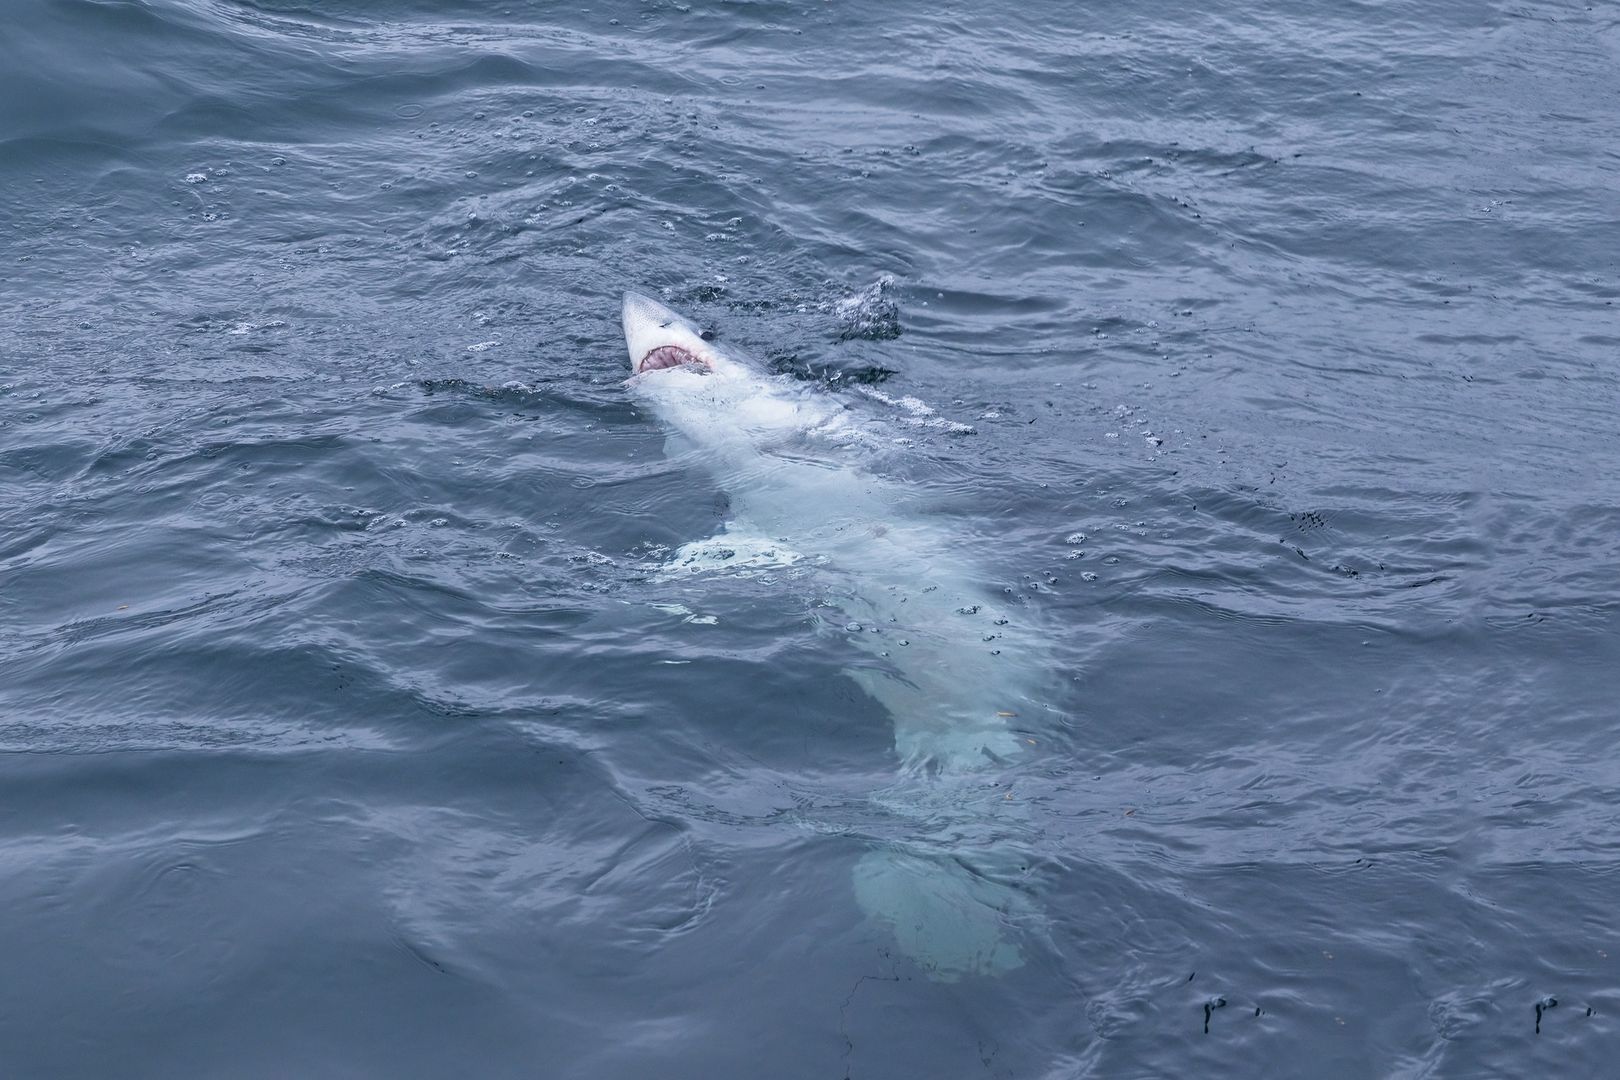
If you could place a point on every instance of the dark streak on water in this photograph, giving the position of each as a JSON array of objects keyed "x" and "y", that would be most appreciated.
[{"x": 336, "y": 738}]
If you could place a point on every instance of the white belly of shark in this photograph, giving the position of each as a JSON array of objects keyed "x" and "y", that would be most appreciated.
[{"x": 950, "y": 666}]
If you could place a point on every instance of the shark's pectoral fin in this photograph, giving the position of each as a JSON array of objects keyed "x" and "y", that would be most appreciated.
[
  {"x": 946, "y": 918},
  {"x": 954, "y": 750},
  {"x": 733, "y": 549}
]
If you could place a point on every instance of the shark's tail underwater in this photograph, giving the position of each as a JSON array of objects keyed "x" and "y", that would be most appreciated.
[
  {"x": 945, "y": 872},
  {"x": 953, "y": 892},
  {"x": 951, "y": 882}
]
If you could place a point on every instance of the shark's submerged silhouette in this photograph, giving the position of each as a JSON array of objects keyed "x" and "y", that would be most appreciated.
[{"x": 954, "y": 668}]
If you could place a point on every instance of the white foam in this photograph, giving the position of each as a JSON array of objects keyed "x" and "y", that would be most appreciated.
[
  {"x": 917, "y": 412},
  {"x": 737, "y": 553}
]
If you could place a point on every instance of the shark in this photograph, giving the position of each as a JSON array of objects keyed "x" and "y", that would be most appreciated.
[{"x": 958, "y": 670}]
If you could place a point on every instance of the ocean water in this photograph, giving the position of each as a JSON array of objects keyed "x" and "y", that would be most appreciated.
[{"x": 1264, "y": 355}]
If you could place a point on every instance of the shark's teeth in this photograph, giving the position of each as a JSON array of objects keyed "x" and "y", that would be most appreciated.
[{"x": 668, "y": 356}]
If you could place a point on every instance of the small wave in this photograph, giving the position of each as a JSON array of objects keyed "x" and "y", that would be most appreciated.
[
  {"x": 871, "y": 314},
  {"x": 917, "y": 412}
]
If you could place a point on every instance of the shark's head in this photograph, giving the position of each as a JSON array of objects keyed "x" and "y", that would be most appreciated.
[
  {"x": 658, "y": 338},
  {"x": 714, "y": 399}
]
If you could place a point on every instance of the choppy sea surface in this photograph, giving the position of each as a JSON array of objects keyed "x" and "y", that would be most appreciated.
[{"x": 1265, "y": 354}]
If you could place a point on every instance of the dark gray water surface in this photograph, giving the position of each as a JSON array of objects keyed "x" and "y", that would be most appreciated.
[{"x": 341, "y": 734}]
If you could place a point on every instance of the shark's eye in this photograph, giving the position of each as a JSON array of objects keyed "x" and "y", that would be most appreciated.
[{"x": 665, "y": 324}]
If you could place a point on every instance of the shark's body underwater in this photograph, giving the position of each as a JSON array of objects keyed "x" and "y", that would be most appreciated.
[{"x": 948, "y": 664}]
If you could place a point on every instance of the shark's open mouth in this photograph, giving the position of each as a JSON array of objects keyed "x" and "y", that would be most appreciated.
[{"x": 668, "y": 356}]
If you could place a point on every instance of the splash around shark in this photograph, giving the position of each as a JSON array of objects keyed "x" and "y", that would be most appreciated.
[{"x": 935, "y": 647}]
